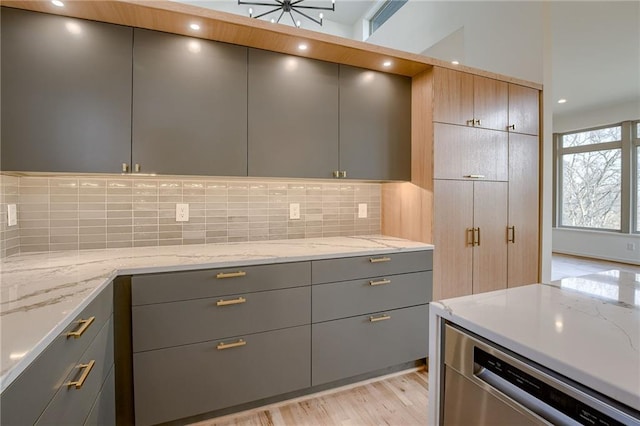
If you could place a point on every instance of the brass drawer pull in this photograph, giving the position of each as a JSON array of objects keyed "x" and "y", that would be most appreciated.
[
  {"x": 87, "y": 369},
  {"x": 84, "y": 324},
  {"x": 380, "y": 318},
  {"x": 474, "y": 176},
  {"x": 231, "y": 274},
  {"x": 381, "y": 282},
  {"x": 379, "y": 259},
  {"x": 511, "y": 239},
  {"x": 231, "y": 302},
  {"x": 223, "y": 345}
]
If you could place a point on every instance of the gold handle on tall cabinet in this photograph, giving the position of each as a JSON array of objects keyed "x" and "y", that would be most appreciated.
[
  {"x": 381, "y": 282},
  {"x": 380, "y": 318},
  {"x": 470, "y": 122},
  {"x": 87, "y": 369},
  {"x": 478, "y": 240},
  {"x": 84, "y": 324},
  {"x": 476, "y": 122},
  {"x": 513, "y": 234},
  {"x": 230, "y": 274},
  {"x": 379, "y": 259},
  {"x": 471, "y": 242},
  {"x": 237, "y": 301},
  {"x": 474, "y": 176},
  {"x": 512, "y": 127},
  {"x": 223, "y": 345}
]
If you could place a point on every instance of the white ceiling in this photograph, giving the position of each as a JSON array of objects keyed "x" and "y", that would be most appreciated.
[{"x": 595, "y": 49}]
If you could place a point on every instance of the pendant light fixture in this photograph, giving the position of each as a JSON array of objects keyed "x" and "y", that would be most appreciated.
[{"x": 288, "y": 7}]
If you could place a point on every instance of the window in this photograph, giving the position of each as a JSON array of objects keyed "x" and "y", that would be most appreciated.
[
  {"x": 386, "y": 11},
  {"x": 598, "y": 183}
]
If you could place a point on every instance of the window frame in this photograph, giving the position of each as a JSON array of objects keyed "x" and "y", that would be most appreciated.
[
  {"x": 386, "y": 10},
  {"x": 635, "y": 177}
]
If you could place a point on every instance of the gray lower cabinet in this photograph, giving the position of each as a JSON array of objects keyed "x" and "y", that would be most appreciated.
[
  {"x": 43, "y": 380},
  {"x": 174, "y": 383},
  {"x": 189, "y": 105},
  {"x": 351, "y": 346},
  {"x": 66, "y": 93},
  {"x": 103, "y": 411},
  {"x": 293, "y": 116},
  {"x": 375, "y": 124}
]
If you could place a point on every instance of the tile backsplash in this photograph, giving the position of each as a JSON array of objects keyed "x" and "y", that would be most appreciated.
[{"x": 80, "y": 212}]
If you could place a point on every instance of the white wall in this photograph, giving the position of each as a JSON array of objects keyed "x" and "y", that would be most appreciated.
[
  {"x": 599, "y": 116},
  {"x": 502, "y": 37},
  {"x": 601, "y": 245}
]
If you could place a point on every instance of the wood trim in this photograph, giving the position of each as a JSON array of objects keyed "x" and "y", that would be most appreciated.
[{"x": 229, "y": 28}]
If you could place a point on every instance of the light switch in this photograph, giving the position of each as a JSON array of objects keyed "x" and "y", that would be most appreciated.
[
  {"x": 362, "y": 210},
  {"x": 12, "y": 215},
  {"x": 182, "y": 212},
  {"x": 294, "y": 211}
]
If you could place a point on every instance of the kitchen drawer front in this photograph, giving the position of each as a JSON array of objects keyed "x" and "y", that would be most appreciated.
[
  {"x": 188, "y": 380},
  {"x": 71, "y": 405},
  {"x": 191, "y": 321},
  {"x": 352, "y": 346},
  {"x": 358, "y": 297},
  {"x": 350, "y": 268},
  {"x": 174, "y": 286},
  {"x": 103, "y": 412},
  {"x": 26, "y": 398}
]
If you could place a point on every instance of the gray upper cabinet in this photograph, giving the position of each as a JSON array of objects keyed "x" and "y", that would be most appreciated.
[
  {"x": 189, "y": 105},
  {"x": 375, "y": 124},
  {"x": 66, "y": 93},
  {"x": 293, "y": 116}
]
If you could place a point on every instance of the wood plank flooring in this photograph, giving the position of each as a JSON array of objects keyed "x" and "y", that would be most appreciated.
[
  {"x": 394, "y": 400},
  {"x": 563, "y": 266}
]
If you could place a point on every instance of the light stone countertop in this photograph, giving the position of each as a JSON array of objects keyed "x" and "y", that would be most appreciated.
[
  {"x": 40, "y": 294},
  {"x": 585, "y": 328}
]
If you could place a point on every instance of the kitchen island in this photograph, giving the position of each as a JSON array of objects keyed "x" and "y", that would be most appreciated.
[{"x": 582, "y": 331}]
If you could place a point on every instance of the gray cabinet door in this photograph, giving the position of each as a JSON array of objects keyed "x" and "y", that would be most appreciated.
[
  {"x": 375, "y": 124},
  {"x": 103, "y": 412},
  {"x": 66, "y": 94},
  {"x": 293, "y": 116},
  {"x": 189, "y": 105}
]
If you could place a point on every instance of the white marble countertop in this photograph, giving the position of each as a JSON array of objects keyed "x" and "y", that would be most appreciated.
[
  {"x": 41, "y": 293},
  {"x": 579, "y": 327}
]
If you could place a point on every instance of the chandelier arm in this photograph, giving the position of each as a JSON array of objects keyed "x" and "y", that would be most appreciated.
[
  {"x": 293, "y": 3},
  {"x": 256, "y": 3},
  {"x": 308, "y": 17},
  {"x": 266, "y": 13},
  {"x": 293, "y": 19},
  {"x": 316, "y": 7},
  {"x": 279, "y": 17}
]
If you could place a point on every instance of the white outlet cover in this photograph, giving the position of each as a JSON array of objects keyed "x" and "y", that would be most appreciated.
[
  {"x": 294, "y": 211},
  {"x": 362, "y": 210},
  {"x": 12, "y": 215},
  {"x": 182, "y": 212}
]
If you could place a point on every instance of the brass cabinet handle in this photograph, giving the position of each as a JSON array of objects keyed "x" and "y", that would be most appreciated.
[
  {"x": 87, "y": 369},
  {"x": 343, "y": 174},
  {"x": 474, "y": 176},
  {"x": 513, "y": 234},
  {"x": 230, "y": 274},
  {"x": 512, "y": 127},
  {"x": 383, "y": 317},
  {"x": 336, "y": 174},
  {"x": 470, "y": 122},
  {"x": 84, "y": 324},
  {"x": 471, "y": 241},
  {"x": 381, "y": 282},
  {"x": 125, "y": 167},
  {"x": 223, "y": 345},
  {"x": 379, "y": 259},
  {"x": 137, "y": 168},
  {"x": 237, "y": 301},
  {"x": 477, "y": 241},
  {"x": 476, "y": 122}
]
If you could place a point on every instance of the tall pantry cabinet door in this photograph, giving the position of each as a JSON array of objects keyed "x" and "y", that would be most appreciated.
[
  {"x": 523, "y": 210},
  {"x": 490, "y": 220},
  {"x": 453, "y": 97},
  {"x": 189, "y": 105},
  {"x": 453, "y": 220},
  {"x": 524, "y": 111},
  {"x": 293, "y": 116},
  {"x": 66, "y": 94},
  {"x": 490, "y": 103}
]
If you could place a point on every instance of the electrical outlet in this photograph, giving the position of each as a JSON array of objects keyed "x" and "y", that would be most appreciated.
[
  {"x": 631, "y": 246},
  {"x": 294, "y": 211},
  {"x": 362, "y": 210},
  {"x": 182, "y": 212},
  {"x": 12, "y": 215}
]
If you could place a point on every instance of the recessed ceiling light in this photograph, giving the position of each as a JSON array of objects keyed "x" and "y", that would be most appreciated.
[
  {"x": 57, "y": 3},
  {"x": 386, "y": 64},
  {"x": 302, "y": 46},
  {"x": 455, "y": 62},
  {"x": 562, "y": 101},
  {"x": 194, "y": 26}
]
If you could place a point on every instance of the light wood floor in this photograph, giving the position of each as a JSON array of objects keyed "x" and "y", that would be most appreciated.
[
  {"x": 563, "y": 266},
  {"x": 399, "y": 400}
]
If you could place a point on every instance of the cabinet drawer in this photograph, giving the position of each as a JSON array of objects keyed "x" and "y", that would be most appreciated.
[
  {"x": 352, "y": 346},
  {"x": 103, "y": 412},
  {"x": 179, "y": 323},
  {"x": 349, "y": 268},
  {"x": 358, "y": 297},
  {"x": 25, "y": 399},
  {"x": 187, "y": 380},
  {"x": 71, "y": 405},
  {"x": 170, "y": 287}
]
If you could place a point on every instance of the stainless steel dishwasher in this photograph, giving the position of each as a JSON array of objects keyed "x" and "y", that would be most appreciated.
[{"x": 486, "y": 385}]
